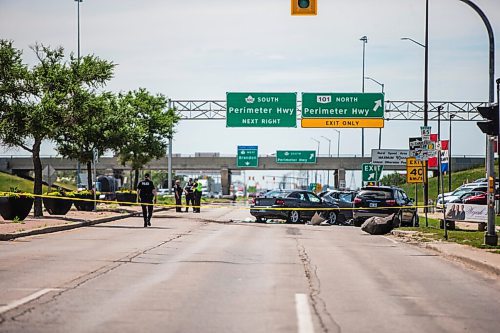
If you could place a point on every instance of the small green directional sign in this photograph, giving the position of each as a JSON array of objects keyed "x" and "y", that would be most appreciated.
[
  {"x": 296, "y": 156},
  {"x": 247, "y": 157},
  {"x": 371, "y": 172}
]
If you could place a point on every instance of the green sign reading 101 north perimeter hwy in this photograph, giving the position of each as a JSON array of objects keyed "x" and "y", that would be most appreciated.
[
  {"x": 247, "y": 157},
  {"x": 261, "y": 109},
  {"x": 296, "y": 156}
]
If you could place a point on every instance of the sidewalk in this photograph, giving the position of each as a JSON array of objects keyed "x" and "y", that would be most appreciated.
[
  {"x": 482, "y": 259},
  {"x": 73, "y": 219}
]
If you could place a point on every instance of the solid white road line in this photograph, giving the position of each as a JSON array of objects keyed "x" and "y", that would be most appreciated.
[
  {"x": 304, "y": 318},
  {"x": 25, "y": 300},
  {"x": 392, "y": 240}
]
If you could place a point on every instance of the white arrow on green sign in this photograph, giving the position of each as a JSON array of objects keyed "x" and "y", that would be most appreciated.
[
  {"x": 371, "y": 172},
  {"x": 247, "y": 157},
  {"x": 296, "y": 156},
  {"x": 250, "y": 109}
]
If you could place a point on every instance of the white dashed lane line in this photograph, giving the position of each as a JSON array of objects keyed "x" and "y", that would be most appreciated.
[
  {"x": 304, "y": 319},
  {"x": 25, "y": 300}
]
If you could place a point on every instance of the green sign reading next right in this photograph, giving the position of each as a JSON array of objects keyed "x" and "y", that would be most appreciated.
[{"x": 253, "y": 109}]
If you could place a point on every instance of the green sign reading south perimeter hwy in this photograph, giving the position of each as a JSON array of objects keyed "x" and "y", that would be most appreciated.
[
  {"x": 296, "y": 156},
  {"x": 261, "y": 109}
]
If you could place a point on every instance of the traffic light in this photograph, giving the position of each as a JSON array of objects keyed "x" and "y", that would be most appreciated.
[
  {"x": 490, "y": 113},
  {"x": 304, "y": 7}
]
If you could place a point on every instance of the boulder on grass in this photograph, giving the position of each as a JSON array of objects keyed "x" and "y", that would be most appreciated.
[{"x": 380, "y": 225}]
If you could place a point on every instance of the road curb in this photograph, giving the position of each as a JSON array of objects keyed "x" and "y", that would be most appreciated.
[
  {"x": 446, "y": 250},
  {"x": 481, "y": 265},
  {"x": 63, "y": 227}
]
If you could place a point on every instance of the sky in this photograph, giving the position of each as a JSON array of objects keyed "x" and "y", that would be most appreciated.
[{"x": 198, "y": 49}]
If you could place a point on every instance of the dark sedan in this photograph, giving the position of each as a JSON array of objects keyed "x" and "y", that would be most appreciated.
[
  {"x": 304, "y": 204},
  {"x": 344, "y": 199}
]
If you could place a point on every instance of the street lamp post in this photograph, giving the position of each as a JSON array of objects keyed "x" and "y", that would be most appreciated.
[
  {"x": 328, "y": 171},
  {"x": 449, "y": 155},
  {"x": 316, "y": 175},
  {"x": 338, "y": 156},
  {"x": 490, "y": 237},
  {"x": 364, "y": 39},
  {"x": 426, "y": 110},
  {"x": 78, "y": 167},
  {"x": 380, "y": 129}
]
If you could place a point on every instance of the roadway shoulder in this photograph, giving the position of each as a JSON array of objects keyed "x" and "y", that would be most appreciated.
[{"x": 482, "y": 259}]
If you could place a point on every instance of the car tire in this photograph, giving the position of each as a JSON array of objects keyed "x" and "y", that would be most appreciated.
[
  {"x": 261, "y": 220},
  {"x": 414, "y": 220},
  {"x": 357, "y": 222},
  {"x": 331, "y": 217},
  {"x": 293, "y": 216}
]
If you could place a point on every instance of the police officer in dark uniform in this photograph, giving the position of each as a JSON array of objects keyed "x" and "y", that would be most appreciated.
[
  {"x": 146, "y": 192},
  {"x": 178, "y": 196},
  {"x": 188, "y": 189}
]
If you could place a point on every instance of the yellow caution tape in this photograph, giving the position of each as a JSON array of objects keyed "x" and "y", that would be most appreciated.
[{"x": 128, "y": 203}]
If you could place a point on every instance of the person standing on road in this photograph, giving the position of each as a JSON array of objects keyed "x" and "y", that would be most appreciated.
[
  {"x": 146, "y": 192},
  {"x": 178, "y": 196},
  {"x": 197, "y": 187},
  {"x": 188, "y": 189}
]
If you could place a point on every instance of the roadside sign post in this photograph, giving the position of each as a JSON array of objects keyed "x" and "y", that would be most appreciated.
[
  {"x": 296, "y": 156},
  {"x": 342, "y": 110},
  {"x": 414, "y": 171},
  {"x": 245, "y": 109},
  {"x": 247, "y": 157}
]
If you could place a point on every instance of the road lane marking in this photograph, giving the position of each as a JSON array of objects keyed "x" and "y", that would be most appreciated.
[
  {"x": 26, "y": 299},
  {"x": 392, "y": 240},
  {"x": 304, "y": 318}
]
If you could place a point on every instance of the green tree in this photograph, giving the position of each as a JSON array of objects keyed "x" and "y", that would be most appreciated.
[
  {"x": 34, "y": 101},
  {"x": 93, "y": 125},
  {"x": 147, "y": 127},
  {"x": 393, "y": 179}
]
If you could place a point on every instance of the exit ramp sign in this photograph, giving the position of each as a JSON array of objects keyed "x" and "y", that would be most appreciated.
[{"x": 371, "y": 172}]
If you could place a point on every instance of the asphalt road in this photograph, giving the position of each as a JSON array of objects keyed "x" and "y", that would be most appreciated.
[{"x": 202, "y": 273}]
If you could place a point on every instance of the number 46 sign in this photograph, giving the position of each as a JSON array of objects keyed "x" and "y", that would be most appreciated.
[{"x": 414, "y": 171}]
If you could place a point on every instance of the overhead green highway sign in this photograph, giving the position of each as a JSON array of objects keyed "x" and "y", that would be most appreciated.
[
  {"x": 296, "y": 156},
  {"x": 247, "y": 157},
  {"x": 250, "y": 109},
  {"x": 352, "y": 110}
]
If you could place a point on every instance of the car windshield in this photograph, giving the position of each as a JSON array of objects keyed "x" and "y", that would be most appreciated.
[
  {"x": 376, "y": 194},
  {"x": 274, "y": 194},
  {"x": 460, "y": 192},
  {"x": 345, "y": 197}
]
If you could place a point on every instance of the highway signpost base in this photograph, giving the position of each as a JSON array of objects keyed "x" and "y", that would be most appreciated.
[{"x": 491, "y": 240}]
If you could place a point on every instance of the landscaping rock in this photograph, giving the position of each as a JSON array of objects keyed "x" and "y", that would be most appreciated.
[{"x": 380, "y": 225}]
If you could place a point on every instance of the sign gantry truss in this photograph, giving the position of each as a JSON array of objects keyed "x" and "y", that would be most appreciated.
[{"x": 394, "y": 110}]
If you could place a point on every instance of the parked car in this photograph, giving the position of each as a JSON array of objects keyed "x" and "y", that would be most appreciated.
[
  {"x": 383, "y": 201},
  {"x": 344, "y": 199},
  {"x": 459, "y": 192},
  {"x": 465, "y": 196},
  {"x": 479, "y": 199},
  {"x": 275, "y": 203},
  {"x": 461, "y": 187}
]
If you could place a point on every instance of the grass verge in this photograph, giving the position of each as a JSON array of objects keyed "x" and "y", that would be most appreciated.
[{"x": 465, "y": 237}]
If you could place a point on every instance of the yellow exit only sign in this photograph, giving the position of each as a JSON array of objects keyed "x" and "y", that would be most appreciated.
[{"x": 342, "y": 122}]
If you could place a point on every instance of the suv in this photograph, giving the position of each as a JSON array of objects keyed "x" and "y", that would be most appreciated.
[{"x": 383, "y": 201}]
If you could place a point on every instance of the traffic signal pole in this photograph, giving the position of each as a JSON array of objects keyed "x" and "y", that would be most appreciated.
[{"x": 490, "y": 238}]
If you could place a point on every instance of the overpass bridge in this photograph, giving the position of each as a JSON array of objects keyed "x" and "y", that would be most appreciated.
[{"x": 214, "y": 162}]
